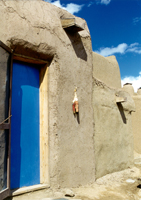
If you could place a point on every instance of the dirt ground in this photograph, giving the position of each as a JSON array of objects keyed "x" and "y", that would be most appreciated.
[
  {"x": 123, "y": 185},
  {"x": 117, "y": 186}
]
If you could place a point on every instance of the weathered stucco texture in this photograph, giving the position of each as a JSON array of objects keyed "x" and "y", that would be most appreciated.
[
  {"x": 136, "y": 116},
  {"x": 33, "y": 28},
  {"x": 128, "y": 88},
  {"x": 136, "y": 123},
  {"x": 106, "y": 69},
  {"x": 113, "y": 129}
]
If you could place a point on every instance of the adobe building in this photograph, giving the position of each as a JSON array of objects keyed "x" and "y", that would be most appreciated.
[
  {"x": 136, "y": 119},
  {"x": 112, "y": 107},
  {"x": 50, "y": 147},
  {"x": 46, "y": 55},
  {"x": 136, "y": 116}
]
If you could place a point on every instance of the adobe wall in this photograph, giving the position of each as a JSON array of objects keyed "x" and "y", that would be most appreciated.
[
  {"x": 129, "y": 88},
  {"x": 113, "y": 137},
  {"x": 33, "y": 28},
  {"x": 136, "y": 116},
  {"x": 136, "y": 123},
  {"x": 99, "y": 140},
  {"x": 106, "y": 69}
]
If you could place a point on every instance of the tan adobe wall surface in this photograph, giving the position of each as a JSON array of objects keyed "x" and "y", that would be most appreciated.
[
  {"x": 128, "y": 88},
  {"x": 136, "y": 123},
  {"x": 139, "y": 91},
  {"x": 136, "y": 116},
  {"x": 106, "y": 69},
  {"x": 113, "y": 130},
  {"x": 33, "y": 28}
]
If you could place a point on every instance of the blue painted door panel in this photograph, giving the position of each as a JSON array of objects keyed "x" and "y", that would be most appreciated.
[{"x": 25, "y": 159}]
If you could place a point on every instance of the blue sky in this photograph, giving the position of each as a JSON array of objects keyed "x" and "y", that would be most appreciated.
[{"x": 115, "y": 28}]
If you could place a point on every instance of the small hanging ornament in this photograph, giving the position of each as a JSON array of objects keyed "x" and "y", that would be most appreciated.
[{"x": 75, "y": 106}]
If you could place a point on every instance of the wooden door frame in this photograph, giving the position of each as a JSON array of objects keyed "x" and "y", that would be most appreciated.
[
  {"x": 44, "y": 146},
  {"x": 5, "y": 193}
]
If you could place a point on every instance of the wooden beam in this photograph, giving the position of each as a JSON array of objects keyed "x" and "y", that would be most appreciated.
[
  {"x": 120, "y": 99},
  {"x": 28, "y": 59},
  {"x": 66, "y": 22},
  {"x": 5, "y": 47},
  {"x": 71, "y": 25},
  {"x": 4, "y": 126}
]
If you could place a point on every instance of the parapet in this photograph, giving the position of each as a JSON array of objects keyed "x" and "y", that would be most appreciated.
[
  {"x": 139, "y": 91},
  {"x": 128, "y": 88},
  {"x": 113, "y": 136},
  {"x": 136, "y": 120},
  {"x": 106, "y": 69}
]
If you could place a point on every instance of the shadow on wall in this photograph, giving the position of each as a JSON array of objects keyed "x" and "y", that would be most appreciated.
[
  {"x": 76, "y": 115},
  {"x": 77, "y": 44},
  {"x": 121, "y": 110}
]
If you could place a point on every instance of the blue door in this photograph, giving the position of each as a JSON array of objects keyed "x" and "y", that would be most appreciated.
[{"x": 25, "y": 159}]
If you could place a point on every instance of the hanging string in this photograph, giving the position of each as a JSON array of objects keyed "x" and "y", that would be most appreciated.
[{"x": 5, "y": 119}]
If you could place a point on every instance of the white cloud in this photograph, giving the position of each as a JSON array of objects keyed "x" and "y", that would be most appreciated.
[
  {"x": 136, "y": 81},
  {"x": 134, "y": 44},
  {"x": 110, "y": 51},
  {"x": 121, "y": 48},
  {"x": 57, "y": 3},
  {"x": 134, "y": 48},
  {"x": 91, "y": 3},
  {"x": 136, "y": 20},
  {"x": 71, "y": 7},
  {"x": 106, "y": 2}
]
